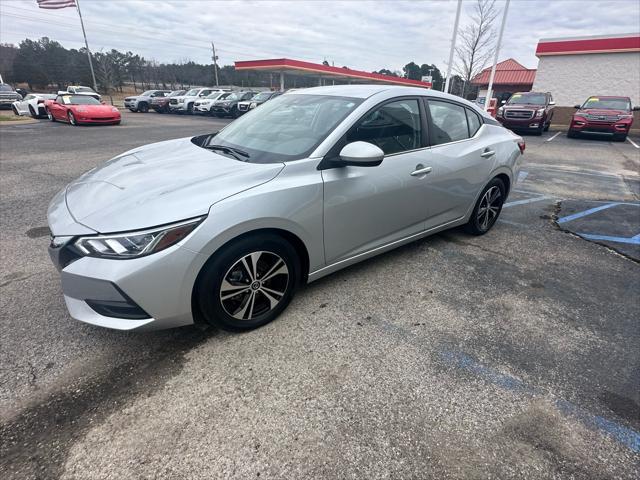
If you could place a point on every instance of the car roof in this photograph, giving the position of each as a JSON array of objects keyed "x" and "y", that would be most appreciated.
[
  {"x": 367, "y": 90},
  {"x": 608, "y": 96}
]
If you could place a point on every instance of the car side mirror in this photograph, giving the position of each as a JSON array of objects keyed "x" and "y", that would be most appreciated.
[
  {"x": 361, "y": 154},
  {"x": 636, "y": 108},
  {"x": 103, "y": 102},
  {"x": 576, "y": 106},
  {"x": 552, "y": 102}
]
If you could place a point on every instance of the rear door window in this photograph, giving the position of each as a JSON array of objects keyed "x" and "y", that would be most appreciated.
[{"x": 474, "y": 122}]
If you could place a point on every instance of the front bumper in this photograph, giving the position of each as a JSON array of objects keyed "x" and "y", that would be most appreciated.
[
  {"x": 131, "y": 104},
  {"x": 99, "y": 120},
  {"x": 146, "y": 293},
  {"x": 621, "y": 127},
  {"x": 521, "y": 124}
]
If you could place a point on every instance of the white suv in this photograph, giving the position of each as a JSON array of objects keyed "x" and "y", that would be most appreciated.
[
  {"x": 185, "y": 103},
  {"x": 204, "y": 105}
]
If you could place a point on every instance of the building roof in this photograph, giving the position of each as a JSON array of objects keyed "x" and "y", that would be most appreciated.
[
  {"x": 626, "y": 42},
  {"x": 508, "y": 72},
  {"x": 297, "y": 67}
]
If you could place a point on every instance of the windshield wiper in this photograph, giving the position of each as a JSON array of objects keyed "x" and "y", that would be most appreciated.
[{"x": 234, "y": 152}]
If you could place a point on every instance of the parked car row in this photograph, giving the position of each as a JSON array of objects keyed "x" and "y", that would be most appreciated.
[{"x": 533, "y": 112}]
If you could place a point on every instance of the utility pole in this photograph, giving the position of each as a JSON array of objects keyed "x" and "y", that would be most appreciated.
[
  {"x": 215, "y": 62},
  {"x": 487, "y": 100},
  {"x": 93, "y": 75},
  {"x": 453, "y": 47}
]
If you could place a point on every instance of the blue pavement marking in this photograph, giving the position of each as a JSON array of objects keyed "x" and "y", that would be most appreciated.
[
  {"x": 606, "y": 238},
  {"x": 626, "y": 436},
  {"x": 568, "y": 218},
  {"x": 522, "y": 175}
]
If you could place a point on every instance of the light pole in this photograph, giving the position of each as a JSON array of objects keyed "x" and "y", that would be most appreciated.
[
  {"x": 487, "y": 100},
  {"x": 453, "y": 46}
]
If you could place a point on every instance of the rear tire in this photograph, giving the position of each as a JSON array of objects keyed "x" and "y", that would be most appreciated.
[
  {"x": 488, "y": 208},
  {"x": 190, "y": 109},
  {"x": 248, "y": 283}
]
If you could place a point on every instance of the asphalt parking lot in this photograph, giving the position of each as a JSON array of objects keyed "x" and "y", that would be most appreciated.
[{"x": 511, "y": 355}]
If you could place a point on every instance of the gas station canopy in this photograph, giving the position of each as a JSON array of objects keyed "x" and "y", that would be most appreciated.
[{"x": 324, "y": 73}]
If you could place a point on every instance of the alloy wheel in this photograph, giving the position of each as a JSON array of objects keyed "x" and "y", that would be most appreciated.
[
  {"x": 72, "y": 118},
  {"x": 489, "y": 207},
  {"x": 254, "y": 285}
]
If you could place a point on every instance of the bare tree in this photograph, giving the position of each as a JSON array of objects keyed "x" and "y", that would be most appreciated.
[{"x": 476, "y": 42}]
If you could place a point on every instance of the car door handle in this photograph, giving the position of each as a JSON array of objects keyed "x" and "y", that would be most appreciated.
[
  {"x": 420, "y": 170},
  {"x": 488, "y": 153}
]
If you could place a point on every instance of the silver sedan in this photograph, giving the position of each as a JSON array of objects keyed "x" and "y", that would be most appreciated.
[{"x": 223, "y": 228}]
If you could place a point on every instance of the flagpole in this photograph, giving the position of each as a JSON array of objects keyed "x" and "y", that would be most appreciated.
[{"x": 93, "y": 75}]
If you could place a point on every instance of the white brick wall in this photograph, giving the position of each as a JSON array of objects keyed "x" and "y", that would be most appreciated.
[{"x": 573, "y": 78}]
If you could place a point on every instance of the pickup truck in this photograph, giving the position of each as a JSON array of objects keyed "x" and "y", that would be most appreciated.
[
  {"x": 527, "y": 111},
  {"x": 8, "y": 95},
  {"x": 81, "y": 90}
]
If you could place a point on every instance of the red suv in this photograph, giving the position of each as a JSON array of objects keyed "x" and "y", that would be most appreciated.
[
  {"x": 530, "y": 111},
  {"x": 603, "y": 115}
]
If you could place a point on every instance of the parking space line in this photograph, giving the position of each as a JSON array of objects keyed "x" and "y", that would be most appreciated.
[
  {"x": 568, "y": 218},
  {"x": 523, "y": 202},
  {"x": 549, "y": 139},
  {"x": 633, "y": 143},
  {"x": 606, "y": 238}
]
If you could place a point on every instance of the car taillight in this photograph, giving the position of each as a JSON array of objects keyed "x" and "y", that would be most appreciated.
[{"x": 521, "y": 146}]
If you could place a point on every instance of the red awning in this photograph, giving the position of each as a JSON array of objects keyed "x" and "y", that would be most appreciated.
[
  {"x": 297, "y": 67},
  {"x": 582, "y": 45}
]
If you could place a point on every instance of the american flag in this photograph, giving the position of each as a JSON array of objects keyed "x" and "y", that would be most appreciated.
[{"x": 55, "y": 4}]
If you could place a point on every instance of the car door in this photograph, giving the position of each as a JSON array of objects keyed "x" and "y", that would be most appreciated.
[
  {"x": 461, "y": 158},
  {"x": 57, "y": 110},
  {"x": 368, "y": 207},
  {"x": 23, "y": 105}
]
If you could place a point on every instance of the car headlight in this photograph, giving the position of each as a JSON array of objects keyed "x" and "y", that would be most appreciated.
[
  {"x": 114, "y": 109},
  {"x": 539, "y": 112},
  {"x": 500, "y": 111},
  {"x": 136, "y": 244}
]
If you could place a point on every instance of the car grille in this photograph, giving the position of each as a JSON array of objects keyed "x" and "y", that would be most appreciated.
[
  {"x": 173, "y": 101},
  {"x": 243, "y": 107},
  {"x": 603, "y": 118},
  {"x": 519, "y": 114}
]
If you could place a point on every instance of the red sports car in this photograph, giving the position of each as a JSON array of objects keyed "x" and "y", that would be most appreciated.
[{"x": 80, "y": 110}]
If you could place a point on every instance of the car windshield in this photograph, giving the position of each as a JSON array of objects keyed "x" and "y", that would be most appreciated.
[
  {"x": 287, "y": 128},
  {"x": 234, "y": 96},
  {"x": 527, "y": 99},
  {"x": 608, "y": 103},
  {"x": 261, "y": 97},
  {"x": 78, "y": 100},
  {"x": 5, "y": 88},
  {"x": 214, "y": 95},
  {"x": 193, "y": 92},
  {"x": 147, "y": 93},
  {"x": 176, "y": 93},
  {"x": 84, "y": 89}
]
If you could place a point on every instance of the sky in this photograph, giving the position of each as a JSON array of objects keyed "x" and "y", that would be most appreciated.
[{"x": 360, "y": 34}]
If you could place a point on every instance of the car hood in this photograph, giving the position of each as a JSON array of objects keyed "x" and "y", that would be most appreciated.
[
  {"x": 160, "y": 183},
  {"x": 523, "y": 105},
  {"x": 603, "y": 111},
  {"x": 91, "y": 109}
]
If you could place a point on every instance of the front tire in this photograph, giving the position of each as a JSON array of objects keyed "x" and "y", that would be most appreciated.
[
  {"x": 72, "y": 119},
  {"x": 572, "y": 134},
  {"x": 621, "y": 137},
  {"x": 248, "y": 283},
  {"x": 190, "y": 109},
  {"x": 32, "y": 112},
  {"x": 488, "y": 208},
  {"x": 143, "y": 107},
  {"x": 50, "y": 115}
]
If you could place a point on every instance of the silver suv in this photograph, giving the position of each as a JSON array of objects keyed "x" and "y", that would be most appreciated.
[
  {"x": 222, "y": 228},
  {"x": 142, "y": 102}
]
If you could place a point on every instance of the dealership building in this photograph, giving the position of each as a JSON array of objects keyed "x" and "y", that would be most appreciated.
[{"x": 574, "y": 68}]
